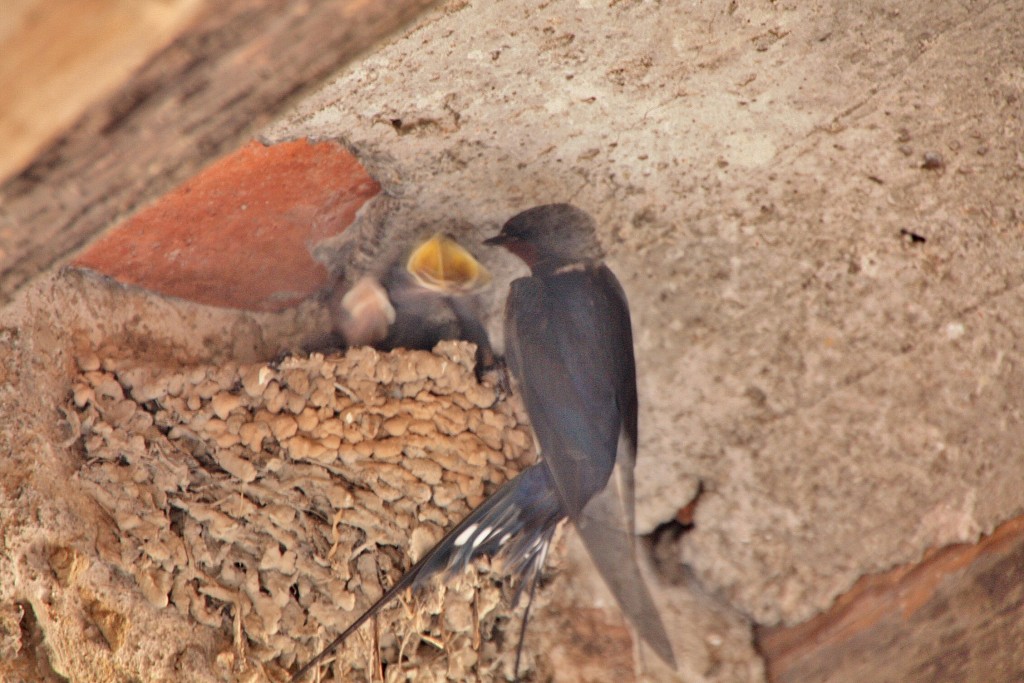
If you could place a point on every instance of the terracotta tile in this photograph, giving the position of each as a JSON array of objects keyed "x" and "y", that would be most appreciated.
[{"x": 240, "y": 233}]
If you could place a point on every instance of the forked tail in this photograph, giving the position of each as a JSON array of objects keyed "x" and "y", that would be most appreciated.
[{"x": 516, "y": 523}]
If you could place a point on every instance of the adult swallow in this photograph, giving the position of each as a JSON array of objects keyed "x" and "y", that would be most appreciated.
[{"x": 569, "y": 346}]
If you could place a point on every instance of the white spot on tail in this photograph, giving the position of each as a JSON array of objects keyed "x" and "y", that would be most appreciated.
[
  {"x": 484, "y": 535},
  {"x": 466, "y": 534}
]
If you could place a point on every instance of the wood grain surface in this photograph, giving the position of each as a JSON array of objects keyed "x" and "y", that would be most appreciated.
[{"x": 239, "y": 64}]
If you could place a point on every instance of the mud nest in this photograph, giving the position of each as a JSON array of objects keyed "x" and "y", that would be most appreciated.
[{"x": 274, "y": 502}]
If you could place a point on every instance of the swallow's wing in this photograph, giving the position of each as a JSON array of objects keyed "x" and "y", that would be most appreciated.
[
  {"x": 624, "y": 366},
  {"x": 607, "y": 525},
  {"x": 569, "y": 345}
]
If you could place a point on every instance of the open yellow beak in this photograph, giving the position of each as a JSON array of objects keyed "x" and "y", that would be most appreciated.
[{"x": 441, "y": 264}]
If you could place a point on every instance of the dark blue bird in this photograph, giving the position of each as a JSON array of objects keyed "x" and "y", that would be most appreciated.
[{"x": 569, "y": 346}]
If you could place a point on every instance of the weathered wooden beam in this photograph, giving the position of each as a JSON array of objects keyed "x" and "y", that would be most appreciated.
[
  {"x": 239, "y": 65},
  {"x": 954, "y": 616}
]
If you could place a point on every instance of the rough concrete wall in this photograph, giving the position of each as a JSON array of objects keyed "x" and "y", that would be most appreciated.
[{"x": 816, "y": 211}]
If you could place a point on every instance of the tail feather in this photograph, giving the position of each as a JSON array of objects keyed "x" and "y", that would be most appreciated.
[
  {"x": 611, "y": 547},
  {"x": 516, "y": 524}
]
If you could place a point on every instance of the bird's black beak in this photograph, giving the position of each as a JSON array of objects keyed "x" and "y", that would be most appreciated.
[{"x": 498, "y": 240}]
